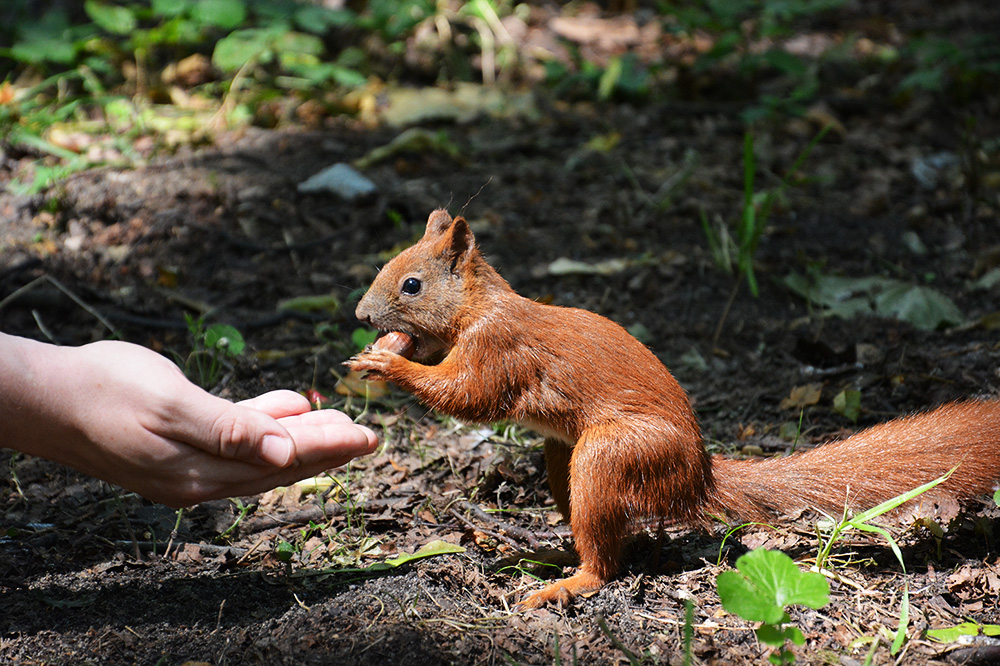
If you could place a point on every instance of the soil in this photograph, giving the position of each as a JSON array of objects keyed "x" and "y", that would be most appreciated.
[{"x": 91, "y": 575}]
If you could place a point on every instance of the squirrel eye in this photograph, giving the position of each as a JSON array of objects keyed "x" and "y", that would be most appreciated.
[{"x": 411, "y": 286}]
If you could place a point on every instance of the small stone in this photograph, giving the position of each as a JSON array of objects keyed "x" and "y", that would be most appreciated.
[{"x": 340, "y": 179}]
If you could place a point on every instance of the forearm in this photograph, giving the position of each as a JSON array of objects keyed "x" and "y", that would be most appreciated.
[
  {"x": 450, "y": 389},
  {"x": 32, "y": 388}
]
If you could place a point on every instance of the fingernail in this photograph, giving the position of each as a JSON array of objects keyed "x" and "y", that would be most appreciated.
[{"x": 275, "y": 450}]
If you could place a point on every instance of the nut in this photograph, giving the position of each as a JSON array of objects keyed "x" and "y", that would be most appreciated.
[{"x": 396, "y": 342}]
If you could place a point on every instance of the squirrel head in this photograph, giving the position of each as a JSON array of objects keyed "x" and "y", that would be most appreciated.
[{"x": 425, "y": 290}]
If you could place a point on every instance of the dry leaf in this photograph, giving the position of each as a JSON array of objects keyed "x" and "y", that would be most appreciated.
[
  {"x": 803, "y": 396},
  {"x": 352, "y": 384}
]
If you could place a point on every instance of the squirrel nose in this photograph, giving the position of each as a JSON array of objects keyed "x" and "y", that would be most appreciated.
[{"x": 361, "y": 312}]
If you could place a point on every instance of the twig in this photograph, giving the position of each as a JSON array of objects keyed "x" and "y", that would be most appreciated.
[
  {"x": 708, "y": 626},
  {"x": 256, "y": 524},
  {"x": 519, "y": 532},
  {"x": 468, "y": 523},
  {"x": 17, "y": 293},
  {"x": 158, "y": 546},
  {"x": 43, "y": 328},
  {"x": 725, "y": 312},
  {"x": 632, "y": 659}
]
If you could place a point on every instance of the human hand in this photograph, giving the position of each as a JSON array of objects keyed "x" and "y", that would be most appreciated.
[{"x": 127, "y": 415}]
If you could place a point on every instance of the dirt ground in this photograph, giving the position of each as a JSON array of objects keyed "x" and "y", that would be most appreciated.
[{"x": 89, "y": 575}]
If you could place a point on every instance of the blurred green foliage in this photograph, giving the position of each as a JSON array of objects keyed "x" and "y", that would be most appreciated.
[{"x": 112, "y": 67}]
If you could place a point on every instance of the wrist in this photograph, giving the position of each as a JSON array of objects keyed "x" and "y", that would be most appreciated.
[{"x": 32, "y": 384}]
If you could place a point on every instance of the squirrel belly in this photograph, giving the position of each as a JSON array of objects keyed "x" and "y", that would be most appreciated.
[{"x": 622, "y": 441}]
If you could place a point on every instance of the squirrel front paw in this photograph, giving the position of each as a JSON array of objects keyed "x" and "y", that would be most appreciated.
[{"x": 374, "y": 363}]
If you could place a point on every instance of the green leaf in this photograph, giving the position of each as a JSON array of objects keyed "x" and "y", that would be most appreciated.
[
  {"x": 795, "y": 635},
  {"x": 284, "y": 551},
  {"x": 320, "y": 19},
  {"x": 116, "y": 20},
  {"x": 347, "y": 77},
  {"x": 47, "y": 39},
  {"x": 904, "y": 621},
  {"x": 300, "y": 43},
  {"x": 225, "y": 14},
  {"x": 996, "y": 497},
  {"x": 865, "y": 516},
  {"x": 225, "y": 338},
  {"x": 925, "y": 308},
  {"x": 952, "y": 634},
  {"x": 785, "y": 62},
  {"x": 848, "y": 403},
  {"x": 170, "y": 8},
  {"x": 318, "y": 303},
  {"x": 240, "y": 47},
  {"x": 771, "y": 634},
  {"x": 767, "y": 581},
  {"x": 742, "y": 597},
  {"x": 609, "y": 78},
  {"x": 431, "y": 549},
  {"x": 38, "y": 51},
  {"x": 362, "y": 337}
]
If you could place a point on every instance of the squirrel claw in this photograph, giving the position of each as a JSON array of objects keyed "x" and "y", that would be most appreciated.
[
  {"x": 555, "y": 593},
  {"x": 373, "y": 363},
  {"x": 561, "y": 591}
]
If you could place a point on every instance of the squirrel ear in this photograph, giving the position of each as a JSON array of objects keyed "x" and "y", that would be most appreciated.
[
  {"x": 438, "y": 223},
  {"x": 458, "y": 242}
]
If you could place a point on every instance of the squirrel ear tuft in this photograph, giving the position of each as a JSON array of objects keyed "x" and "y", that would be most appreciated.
[{"x": 438, "y": 223}]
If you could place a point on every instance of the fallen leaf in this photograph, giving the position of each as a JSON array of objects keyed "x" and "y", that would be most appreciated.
[
  {"x": 566, "y": 266},
  {"x": 609, "y": 34},
  {"x": 314, "y": 303},
  {"x": 6, "y": 93},
  {"x": 821, "y": 116},
  {"x": 352, "y": 384},
  {"x": 803, "y": 396},
  {"x": 413, "y": 140},
  {"x": 848, "y": 403},
  {"x": 921, "y": 306},
  {"x": 960, "y": 577},
  {"x": 463, "y": 103}
]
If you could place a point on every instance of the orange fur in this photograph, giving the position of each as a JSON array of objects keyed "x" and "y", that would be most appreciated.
[{"x": 622, "y": 441}]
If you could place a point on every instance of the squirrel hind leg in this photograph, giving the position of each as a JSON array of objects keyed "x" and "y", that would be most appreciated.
[
  {"x": 562, "y": 591},
  {"x": 557, "y": 457},
  {"x": 587, "y": 480}
]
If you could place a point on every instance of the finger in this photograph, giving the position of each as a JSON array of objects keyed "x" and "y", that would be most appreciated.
[
  {"x": 317, "y": 417},
  {"x": 279, "y": 404},
  {"x": 248, "y": 481},
  {"x": 326, "y": 441},
  {"x": 326, "y": 447},
  {"x": 250, "y": 435},
  {"x": 225, "y": 429}
]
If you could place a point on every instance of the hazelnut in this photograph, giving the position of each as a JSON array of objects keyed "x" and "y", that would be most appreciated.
[{"x": 396, "y": 342}]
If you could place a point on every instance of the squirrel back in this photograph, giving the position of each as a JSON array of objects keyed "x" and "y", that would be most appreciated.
[{"x": 622, "y": 441}]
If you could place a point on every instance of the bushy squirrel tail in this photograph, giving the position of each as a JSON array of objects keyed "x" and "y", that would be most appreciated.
[{"x": 868, "y": 468}]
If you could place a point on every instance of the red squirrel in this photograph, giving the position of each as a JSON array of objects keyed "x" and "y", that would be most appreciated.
[{"x": 621, "y": 439}]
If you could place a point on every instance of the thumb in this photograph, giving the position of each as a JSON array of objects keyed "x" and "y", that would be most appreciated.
[
  {"x": 225, "y": 429},
  {"x": 249, "y": 435}
]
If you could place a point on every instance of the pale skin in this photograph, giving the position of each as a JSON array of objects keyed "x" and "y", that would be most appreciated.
[{"x": 124, "y": 414}]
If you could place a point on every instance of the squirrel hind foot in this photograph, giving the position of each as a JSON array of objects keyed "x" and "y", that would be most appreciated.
[{"x": 562, "y": 591}]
